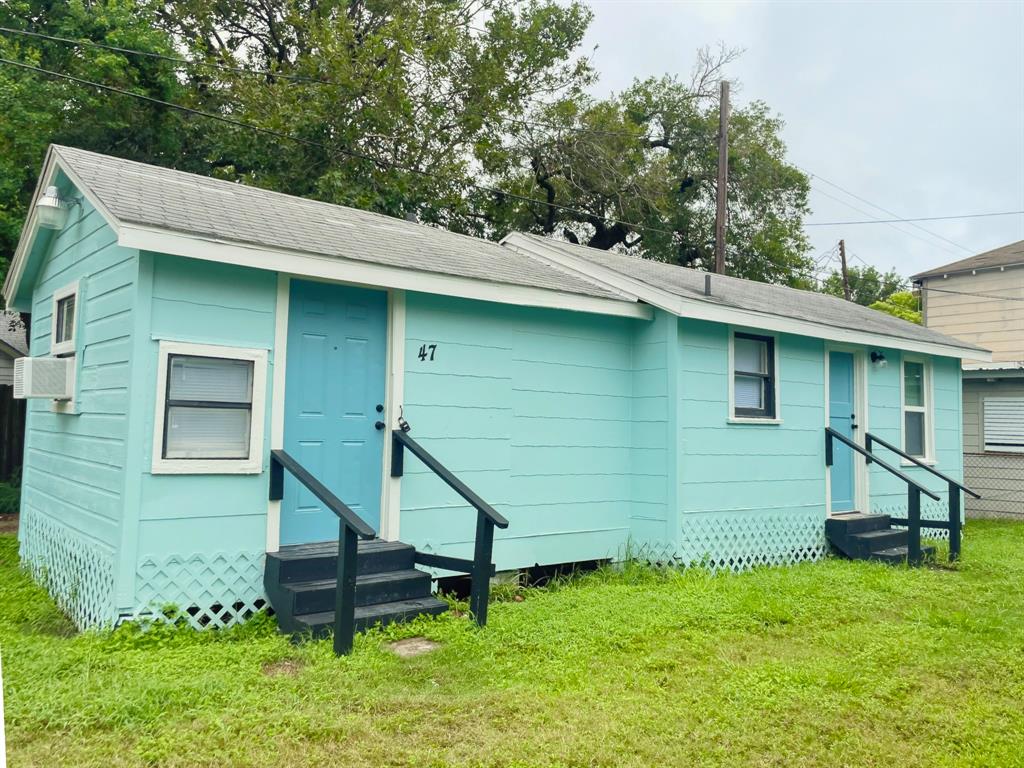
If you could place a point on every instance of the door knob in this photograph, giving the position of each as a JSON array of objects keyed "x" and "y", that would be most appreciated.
[{"x": 379, "y": 425}]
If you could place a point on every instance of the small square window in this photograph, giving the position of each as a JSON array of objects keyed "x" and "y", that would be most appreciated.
[
  {"x": 65, "y": 319},
  {"x": 210, "y": 409}
]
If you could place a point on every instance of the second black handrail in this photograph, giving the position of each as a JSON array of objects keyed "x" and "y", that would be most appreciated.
[
  {"x": 954, "y": 522},
  {"x": 488, "y": 518},
  {"x": 914, "y": 491}
]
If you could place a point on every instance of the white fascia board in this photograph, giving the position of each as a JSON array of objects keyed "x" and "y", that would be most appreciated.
[
  {"x": 51, "y": 165},
  {"x": 367, "y": 274},
  {"x": 704, "y": 310}
]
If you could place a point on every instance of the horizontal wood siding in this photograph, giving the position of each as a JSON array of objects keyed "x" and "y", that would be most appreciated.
[
  {"x": 533, "y": 410},
  {"x": 997, "y": 476},
  {"x": 993, "y": 321},
  {"x": 73, "y": 479},
  {"x": 208, "y": 303},
  {"x": 74, "y": 462},
  {"x": 749, "y": 467}
]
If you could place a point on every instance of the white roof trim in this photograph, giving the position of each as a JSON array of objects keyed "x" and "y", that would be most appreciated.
[
  {"x": 308, "y": 265},
  {"x": 703, "y": 310},
  {"x": 31, "y": 229}
]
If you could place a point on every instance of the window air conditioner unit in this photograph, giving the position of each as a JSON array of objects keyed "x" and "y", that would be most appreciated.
[{"x": 49, "y": 377}]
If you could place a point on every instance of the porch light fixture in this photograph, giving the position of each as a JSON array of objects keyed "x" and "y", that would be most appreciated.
[
  {"x": 878, "y": 359},
  {"x": 52, "y": 209}
]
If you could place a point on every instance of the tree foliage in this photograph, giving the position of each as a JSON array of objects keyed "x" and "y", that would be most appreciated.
[
  {"x": 470, "y": 114},
  {"x": 902, "y": 304},
  {"x": 867, "y": 284},
  {"x": 38, "y": 111}
]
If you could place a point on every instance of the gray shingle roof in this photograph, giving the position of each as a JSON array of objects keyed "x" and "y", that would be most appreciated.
[
  {"x": 757, "y": 297},
  {"x": 1003, "y": 256},
  {"x": 183, "y": 202}
]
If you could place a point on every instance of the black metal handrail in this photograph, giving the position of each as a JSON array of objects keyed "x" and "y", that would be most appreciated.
[
  {"x": 480, "y": 568},
  {"x": 914, "y": 491},
  {"x": 351, "y": 528},
  {"x": 954, "y": 522}
]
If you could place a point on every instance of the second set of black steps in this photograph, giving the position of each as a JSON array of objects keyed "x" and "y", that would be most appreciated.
[
  {"x": 301, "y": 580},
  {"x": 860, "y": 536}
]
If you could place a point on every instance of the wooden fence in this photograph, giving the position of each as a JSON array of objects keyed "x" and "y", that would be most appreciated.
[{"x": 12, "y": 432}]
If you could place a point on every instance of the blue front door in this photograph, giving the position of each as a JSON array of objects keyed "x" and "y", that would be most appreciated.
[
  {"x": 334, "y": 383},
  {"x": 842, "y": 418}
]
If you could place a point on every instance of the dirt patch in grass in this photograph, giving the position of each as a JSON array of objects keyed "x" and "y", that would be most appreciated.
[
  {"x": 283, "y": 668},
  {"x": 412, "y": 646},
  {"x": 8, "y": 524}
]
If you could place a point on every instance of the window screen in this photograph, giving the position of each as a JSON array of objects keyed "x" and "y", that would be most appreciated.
[
  {"x": 753, "y": 376},
  {"x": 65, "y": 330},
  {"x": 209, "y": 408},
  {"x": 1004, "y": 424}
]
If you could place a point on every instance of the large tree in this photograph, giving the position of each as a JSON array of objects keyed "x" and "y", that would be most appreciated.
[
  {"x": 398, "y": 104},
  {"x": 38, "y": 110},
  {"x": 637, "y": 172}
]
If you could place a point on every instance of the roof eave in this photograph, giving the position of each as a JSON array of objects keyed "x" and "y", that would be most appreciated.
[
  {"x": 318, "y": 266},
  {"x": 963, "y": 271}
]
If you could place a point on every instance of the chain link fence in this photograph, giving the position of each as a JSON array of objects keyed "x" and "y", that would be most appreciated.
[{"x": 999, "y": 478}]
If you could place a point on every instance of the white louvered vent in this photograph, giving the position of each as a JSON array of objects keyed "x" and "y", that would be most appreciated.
[
  {"x": 1004, "y": 424},
  {"x": 48, "y": 377}
]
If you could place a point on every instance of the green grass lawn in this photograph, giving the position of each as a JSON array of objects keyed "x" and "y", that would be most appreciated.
[{"x": 835, "y": 663}]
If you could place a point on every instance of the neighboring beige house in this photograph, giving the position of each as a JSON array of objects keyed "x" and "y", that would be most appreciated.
[{"x": 981, "y": 300}]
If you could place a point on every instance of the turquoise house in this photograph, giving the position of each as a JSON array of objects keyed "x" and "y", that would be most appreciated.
[{"x": 597, "y": 401}]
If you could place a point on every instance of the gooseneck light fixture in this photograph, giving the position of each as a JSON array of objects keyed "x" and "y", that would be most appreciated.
[{"x": 52, "y": 209}]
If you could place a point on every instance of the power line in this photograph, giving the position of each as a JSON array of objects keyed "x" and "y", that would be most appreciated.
[
  {"x": 923, "y": 218},
  {"x": 894, "y": 226},
  {"x": 339, "y": 150},
  {"x": 885, "y": 210},
  {"x": 166, "y": 57}
]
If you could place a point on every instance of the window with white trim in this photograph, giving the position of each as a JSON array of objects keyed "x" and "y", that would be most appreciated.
[
  {"x": 1004, "y": 424},
  {"x": 753, "y": 376},
  {"x": 210, "y": 409},
  {"x": 65, "y": 317},
  {"x": 916, "y": 418}
]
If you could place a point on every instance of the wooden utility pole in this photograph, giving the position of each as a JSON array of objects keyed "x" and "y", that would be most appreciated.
[
  {"x": 846, "y": 274},
  {"x": 723, "y": 177}
]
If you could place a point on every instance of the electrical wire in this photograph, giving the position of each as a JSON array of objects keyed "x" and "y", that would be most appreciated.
[
  {"x": 911, "y": 220},
  {"x": 970, "y": 293}
]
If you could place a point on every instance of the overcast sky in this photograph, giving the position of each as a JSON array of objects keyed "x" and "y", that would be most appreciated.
[{"x": 917, "y": 107}]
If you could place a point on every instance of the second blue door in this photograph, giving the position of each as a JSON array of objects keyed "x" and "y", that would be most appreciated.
[
  {"x": 842, "y": 419},
  {"x": 337, "y": 337}
]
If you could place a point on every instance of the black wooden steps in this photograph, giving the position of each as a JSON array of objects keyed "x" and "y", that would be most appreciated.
[
  {"x": 860, "y": 536},
  {"x": 368, "y": 616},
  {"x": 301, "y": 583}
]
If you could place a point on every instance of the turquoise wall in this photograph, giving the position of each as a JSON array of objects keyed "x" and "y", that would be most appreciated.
[
  {"x": 73, "y": 482},
  {"x": 749, "y": 493},
  {"x": 888, "y": 493},
  {"x": 533, "y": 409},
  {"x": 200, "y": 538}
]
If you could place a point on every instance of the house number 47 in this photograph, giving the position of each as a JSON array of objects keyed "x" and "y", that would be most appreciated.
[{"x": 427, "y": 351}]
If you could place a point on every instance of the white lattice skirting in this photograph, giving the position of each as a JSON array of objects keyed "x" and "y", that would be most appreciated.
[
  {"x": 930, "y": 510},
  {"x": 209, "y": 590},
  {"x": 78, "y": 575},
  {"x": 739, "y": 540}
]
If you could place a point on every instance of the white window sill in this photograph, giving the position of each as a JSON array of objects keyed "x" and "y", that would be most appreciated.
[
  {"x": 206, "y": 467},
  {"x": 928, "y": 462},
  {"x": 751, "y": 420}
]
